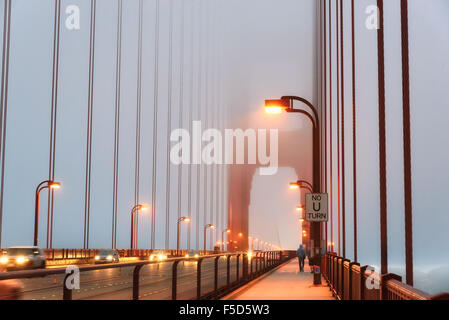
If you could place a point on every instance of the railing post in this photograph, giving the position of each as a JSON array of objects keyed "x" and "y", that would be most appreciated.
[
  {"x": 251, "y": 266},
  {"x": 257, "y": 262},
  {"x": 237, "y": 267},
  {"x": 174, "y": 282},
  {"x": 343, "y": 278},
  {"x": 198, "y": 278},
  {"x": 66, "y": 292},
  {"x": 228, "y": 270},
  {"x": 362, "y": 282},
  {"x": 383, "y": 284},
  {"x": 263, "y": 262},
  {"x": 216, "y": 273},
  {"x": 136, "y": 273},
  {"x": 350, "y": 286},
  {"x": 245, "y": 266}
]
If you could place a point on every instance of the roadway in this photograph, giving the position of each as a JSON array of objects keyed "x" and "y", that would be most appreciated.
[{"x": 117, "y": 283}]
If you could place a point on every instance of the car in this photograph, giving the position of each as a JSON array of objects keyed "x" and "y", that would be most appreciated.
[
  {"x": 107, "y": 256},
  {"x": 23, "y": 258},
  {"x": 158, "y": 255},
  {"x": 193, "y": 254}
]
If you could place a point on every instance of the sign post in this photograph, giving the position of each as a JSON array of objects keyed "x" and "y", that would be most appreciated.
[
  {"x": 316, "y": 212},
  {"x": 317, "y": 207}
]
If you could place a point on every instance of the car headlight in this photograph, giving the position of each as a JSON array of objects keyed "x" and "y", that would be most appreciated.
[
  {"x": 197, "y": 255},
  {"x": 151, "y": 258},
  {"x": 21, "y": 260},
  {"x": 186, "y": 256},
  {"x": 160, "y": 257},
  {"x": 4, "y": 260},
  {"x": 109, "y": 258},
  {"x": 97, "y": 257}
]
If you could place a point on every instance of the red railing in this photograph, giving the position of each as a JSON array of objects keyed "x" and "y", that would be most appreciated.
[{"x": 350, "y": 281}]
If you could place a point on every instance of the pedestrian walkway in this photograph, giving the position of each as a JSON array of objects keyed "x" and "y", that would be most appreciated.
[{"x": 285, "y": 283}]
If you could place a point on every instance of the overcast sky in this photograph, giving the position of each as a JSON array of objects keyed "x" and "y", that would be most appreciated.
[{"x": 247, "y": 50}]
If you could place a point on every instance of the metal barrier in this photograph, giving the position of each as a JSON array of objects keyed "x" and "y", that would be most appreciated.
[
  {"x": 87, "y": 254},
  {"x": 66, "y": 254},
  {"x": 264, "y": 262},
  {"x": 349, "y": 281}
]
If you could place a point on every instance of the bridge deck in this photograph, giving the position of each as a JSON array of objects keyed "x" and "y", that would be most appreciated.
[{"x": 285, "y": 283}]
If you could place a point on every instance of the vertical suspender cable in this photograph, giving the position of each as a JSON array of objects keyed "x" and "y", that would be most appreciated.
[
  {"x": 354, "y": 132},
  {"x": 338, "y": 122},
  {"x": 138, "y": 121},
  {"x": 155, "y": 114},
  {"x": 320, "y": 84},
  {"x": 213, "y": 116},
  {"x": 330, "y": 125},
  {"x": 181, "y": 103},
  {"x": 4, "y": 99},
  {"x": 117, "y": 122},
  {"x": 189, "y": 186},
  {"x": 320, "y": 94},
  {"x": 325, "y": 106},
  {"x": 343, "y": 200},
  {"x": 54, "y": 104},
  {"x": 169, "y": 126},
  {"x": 220, "y": 123},
  {"x": 407, "y": 145},
  {"x": 89, "y": 124},
  {"x": 198, "y": 171},
  {"x": 206, "y": 113},
  {"x": 382, "y": 141}
]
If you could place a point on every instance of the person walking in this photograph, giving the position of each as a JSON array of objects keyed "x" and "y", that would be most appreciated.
[{"x": 301, "y": 253}]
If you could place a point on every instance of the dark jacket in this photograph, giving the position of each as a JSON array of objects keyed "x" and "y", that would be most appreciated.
[{"x": 301, "y": 253}]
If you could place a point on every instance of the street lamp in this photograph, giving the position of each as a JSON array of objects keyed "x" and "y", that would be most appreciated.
[
  {"x": 186, "y": 220},
  {"x": 276, "y": 106},
  {"x": 285, "y": 104},
  {"x": 53, "y": 185},
  {"x": 207, "y": 226},
  {"x": 227, "y": 230},
  {"x": 301, "y": 184},
  {"x": 135, "y": 210},
  {"x": 293, "y": 186}
]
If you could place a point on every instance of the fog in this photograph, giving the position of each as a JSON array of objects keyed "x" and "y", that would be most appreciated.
[{"x": 225, "y": 59}]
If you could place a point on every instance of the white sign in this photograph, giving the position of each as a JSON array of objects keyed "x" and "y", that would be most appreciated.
[{"x": 316, "y": 207}]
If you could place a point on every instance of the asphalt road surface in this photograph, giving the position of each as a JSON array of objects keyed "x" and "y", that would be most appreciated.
[{"x": 117, "y": 283}]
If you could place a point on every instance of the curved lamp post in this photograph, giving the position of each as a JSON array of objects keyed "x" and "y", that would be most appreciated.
[
  {"x": 135, "y": 210},
  {"x": 285, "y": 104},
  {"x": 186, "y": 220},
  {"x": 207, "y": 226},
  {"x": 227, "y": 230},
  {"x": 43, "y": 185}
]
